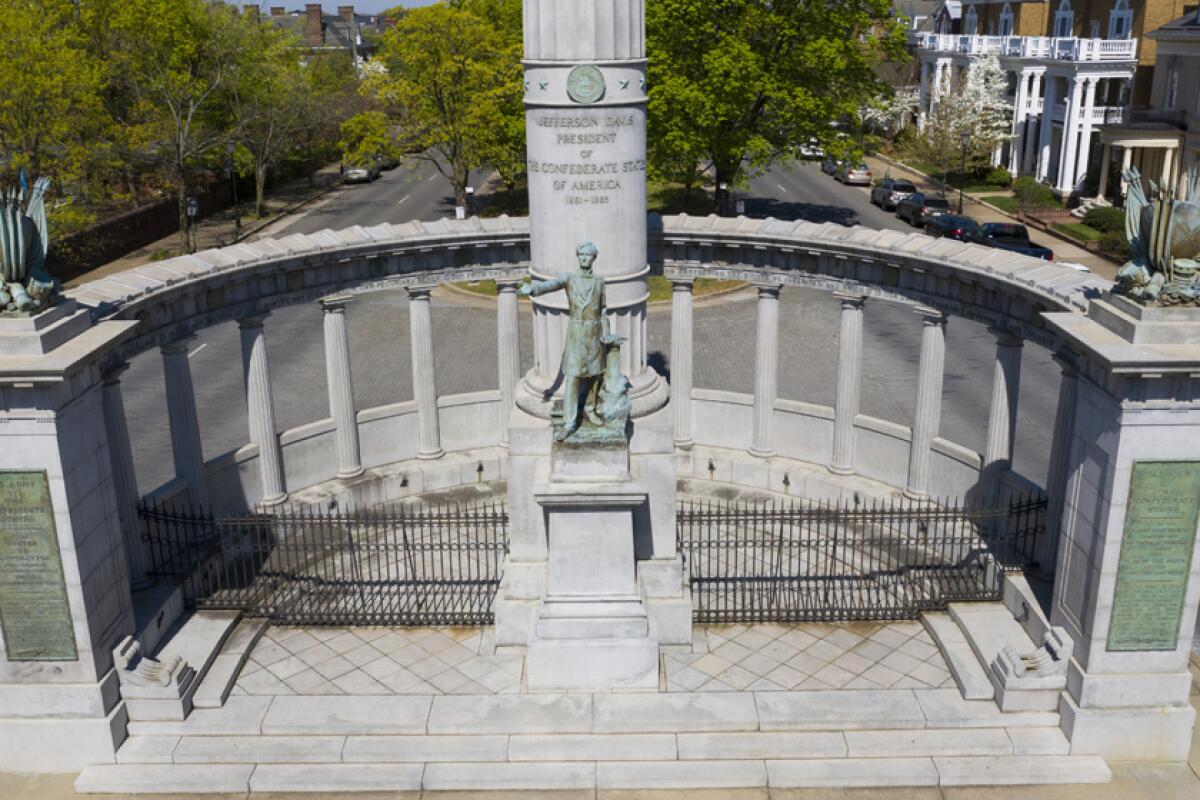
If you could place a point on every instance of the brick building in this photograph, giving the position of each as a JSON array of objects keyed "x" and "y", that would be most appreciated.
[{"x": 346, "y": 30}]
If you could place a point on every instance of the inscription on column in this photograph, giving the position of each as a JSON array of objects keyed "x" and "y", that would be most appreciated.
[
  {"x": 34, "y": 615},
  {"x": 585, "y": 153},
  {"x": 1156, "y": 555}
]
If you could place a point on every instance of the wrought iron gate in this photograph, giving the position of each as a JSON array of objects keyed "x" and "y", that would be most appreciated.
[
  {"x": 400, "y": 566},
  {"x": 784, "y": 562}
]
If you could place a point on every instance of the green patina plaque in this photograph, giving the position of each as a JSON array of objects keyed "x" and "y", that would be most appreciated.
[
  {"x": 1156, "y": 555},
  {"x": 585, "y": 84},
  {"x": 34, "y": 615}
]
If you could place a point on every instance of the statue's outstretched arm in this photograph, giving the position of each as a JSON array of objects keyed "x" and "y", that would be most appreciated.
[{"x": 543, "y": 287}]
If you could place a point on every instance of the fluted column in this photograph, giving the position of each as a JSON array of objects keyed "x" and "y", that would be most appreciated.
[
  {"x": 186, "y": 450},
  {"x": 508, "y": 349},
  {"x": 1029, "y": 155},
  {"x": 682, "y": 358},
  {"x": 1060, "y": 464},
  {"x": 424, "y": 383},
  {"x": 928, "y": 415},
  {"x": 1002, "y": 419},
  {"x": 1020, "y": 111},
  {"x": 260, "y": 408},
  {"x": 1070, "y": 137},
  {"x": 124, "y": 476},
  {"x": 341, "y": 386},
  {"x": 766, "y": 364},
  {"x": 849, "y": 381},
  {"x": 1084, "y": 150},
  {"x": 1046, "y": 127}
]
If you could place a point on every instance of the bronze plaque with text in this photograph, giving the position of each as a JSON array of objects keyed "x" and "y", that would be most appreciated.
[
  {"x": 34, "y": 615},
  {"x": 1156, "y": 555}
]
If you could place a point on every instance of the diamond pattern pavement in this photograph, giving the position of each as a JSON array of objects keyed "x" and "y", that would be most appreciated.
[{"x": 724, "y": 658}]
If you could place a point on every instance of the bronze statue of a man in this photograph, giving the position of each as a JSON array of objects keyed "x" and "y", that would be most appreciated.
[{"x": 583, "y": 362}]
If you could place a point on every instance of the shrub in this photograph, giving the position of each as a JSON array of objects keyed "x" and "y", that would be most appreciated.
[
  {"x": 1031, "y": 193},
  {"x": 1114, "y": 243},
  {"x": 1105, "y": 220},
  {"x": 998, "y": 177}
]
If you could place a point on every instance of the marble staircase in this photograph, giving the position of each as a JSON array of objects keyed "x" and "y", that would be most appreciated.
[{"x": 632, "y": 740}]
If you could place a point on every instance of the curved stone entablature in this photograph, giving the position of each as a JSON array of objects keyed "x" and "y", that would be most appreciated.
[{"x": 174, "y": 297}]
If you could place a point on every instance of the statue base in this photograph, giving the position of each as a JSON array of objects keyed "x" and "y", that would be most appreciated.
[{"x": 42, "y": 332}]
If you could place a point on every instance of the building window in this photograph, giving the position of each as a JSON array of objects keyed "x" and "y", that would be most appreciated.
[
  {"x": 1172, "y": 88},
  {"x": 1120, "y": 20},
  {"x": 970, "y": 21},
  {"x": 1006, "y": 20},
  {"x": 1064, "y": 20}
]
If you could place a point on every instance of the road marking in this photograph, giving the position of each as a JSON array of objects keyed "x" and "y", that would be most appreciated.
[
  {"x": 198, "y": 349},
  {"x": 433, "y": 177},
  {"x": 781, "y": 187},
  {"x": 400, "y": 202}
]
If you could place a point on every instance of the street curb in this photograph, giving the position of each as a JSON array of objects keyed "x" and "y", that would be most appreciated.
[
  {"x": 1047, "y": 230},
  {"x": 287, "y": 212}
]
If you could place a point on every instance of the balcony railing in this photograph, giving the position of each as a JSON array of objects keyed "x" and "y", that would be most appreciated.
[{"x": 1048, "y": 47}]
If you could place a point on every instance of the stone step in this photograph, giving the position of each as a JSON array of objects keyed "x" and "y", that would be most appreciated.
[
  {"x": 218, "y": 683},
  {"x": 969, "y": 674},
  {"x": 561, "y": 775}
]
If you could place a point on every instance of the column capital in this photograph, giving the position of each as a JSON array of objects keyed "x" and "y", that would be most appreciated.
[
  {"x": 336, "y": 304},
  {"x": 682, "y": 283},
  {"x": 508, "y": 285},
  {"x": 768, "y": 289},
  {"x": 850, "y": 299},
  {"x": 931, "y": 316},
  {"x": 1067, "y": 362},
  {"x": 111, "y": 373},
  {"x": 253, "y": 321},
  {"x": 419, "y": 292},
  {"x": 177, "y": 346},
  {"x": 1006, "y": 338}
]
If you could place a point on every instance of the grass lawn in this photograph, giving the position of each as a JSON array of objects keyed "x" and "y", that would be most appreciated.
[
  {"x": 668, "y": 198},
  {"x": 1004, "y": 202},
  {"x": 660, "y": 287},
  {"x": 1078, "y": 230}
]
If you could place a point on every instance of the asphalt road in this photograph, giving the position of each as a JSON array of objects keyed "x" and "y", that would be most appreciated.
[{"x": 465, "y": 339}]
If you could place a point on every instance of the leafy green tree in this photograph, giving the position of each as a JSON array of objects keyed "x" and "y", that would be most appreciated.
[
  {"x": 331, "y": 97},
  {"x": 738, "y": 82},
  {"x": 366, "y": 136},
  {"x": 449, "y": 74}
]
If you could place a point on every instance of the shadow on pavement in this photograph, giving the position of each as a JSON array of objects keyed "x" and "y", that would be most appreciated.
[{"x": 809, "y": 212}]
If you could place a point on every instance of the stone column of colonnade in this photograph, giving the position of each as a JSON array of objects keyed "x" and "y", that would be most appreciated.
[
  {"x": 766, "y": 366},
  {"x": 1002, "y": 416},
  {"x": 124, "y": 476},
  {"x": 341, "y": 387},
  {"x": 849, "y": 382},
  {"x": 682, "y": 358},
  {"x": 508, "y": 349},
  {"x": 260, "y": 409},
  {"x": 928, "y": 414},
  {"x": 420, "y": 326},
  {"x": 186, "y": 450},
  {"x": 585, "y": 100}
]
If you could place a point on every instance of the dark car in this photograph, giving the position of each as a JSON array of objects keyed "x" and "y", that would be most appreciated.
[
  {"x": 917, "y": 209},
  {"x": 829, "y": 165},
  {"x": 1012, "y": 237},
  {"x": 953, "y": 226},
  {"x": 888, "y": 194}
]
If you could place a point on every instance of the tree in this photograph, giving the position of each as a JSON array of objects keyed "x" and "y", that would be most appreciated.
[
  {"x": 889, "y": 111},
  {"x": 738, "y": 82},
  {"x": 977, "y": 108},
  {"x": 449, "y": 74},
  {"x": 366, "y": 136}
]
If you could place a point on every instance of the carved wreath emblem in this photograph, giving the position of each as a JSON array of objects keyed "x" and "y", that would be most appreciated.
[{"x": 585, "y": 84}]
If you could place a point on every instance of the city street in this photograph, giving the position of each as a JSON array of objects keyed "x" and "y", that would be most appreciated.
[{"x": 464, "y": 336}]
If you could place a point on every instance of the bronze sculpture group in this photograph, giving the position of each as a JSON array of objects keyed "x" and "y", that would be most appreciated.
[
  {"x": 1164, "y": 240},
  {"x": 25, "y": 288}
]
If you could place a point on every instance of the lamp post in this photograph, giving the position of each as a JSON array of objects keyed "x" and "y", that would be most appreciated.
[
  {"x": 237, "y": 208},
  {"x": 962, "y": 175}
]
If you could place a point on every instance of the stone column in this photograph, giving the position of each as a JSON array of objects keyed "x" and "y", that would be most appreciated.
[
  {"x": 1020, "y": 112},
  {"x": 260, "y": 409},
  {"x": 928, "y": 414},
  {"x": 766, "y": 365},
  {"x": 424, "y": 381},
  {"x": 508, "y": 349},
  {"x": 186, "y": 450},
  {"x": 124, "y": 477},
  {"x": 1030, "y": 146},
  {"x": 1002, "y": 418},
  {"x": 1046, "y": 127},
  {"x": 341, "y": 386},
  {"x": 1060, "y": 463},
  {"x": 1085, "y": 134},
  {"x": 923, "y": 95},
  {"x": 1105, "y": 160},
  {"x": 849, "y": 380},
  {"x": 1070, "y": 137},
  {"x": 682, "y": 358}
]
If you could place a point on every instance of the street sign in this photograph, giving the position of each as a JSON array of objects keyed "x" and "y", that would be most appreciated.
[{"x": 193, "y": 207}]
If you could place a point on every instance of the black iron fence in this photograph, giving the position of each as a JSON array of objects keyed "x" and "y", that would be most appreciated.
[
  {"x": 785, "y": 561},
  {"x": 398, "y": 566}
]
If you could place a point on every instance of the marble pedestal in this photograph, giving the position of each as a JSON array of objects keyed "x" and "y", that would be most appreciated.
[{"x": 592, "y": 631}]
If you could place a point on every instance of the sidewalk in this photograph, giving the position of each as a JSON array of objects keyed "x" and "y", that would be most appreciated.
[
  {"x": 218, "y": 230},
  {"x": 1063, "y": 250}
]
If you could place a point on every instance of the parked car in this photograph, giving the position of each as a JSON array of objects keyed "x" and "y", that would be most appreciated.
[
  {"x": 1012, "y": 237},
  {"x": 851, "y": 174},
  {"x": 917, "y": 208},
  {"x": 888, "y": 194},
  {"x": 830, "y": 165},
  {"x": 361, "y": 173},
  {"x": 953, "y": 226},
  {"x": 388, "y": 161},
  {"x": 810, "y": 150}
]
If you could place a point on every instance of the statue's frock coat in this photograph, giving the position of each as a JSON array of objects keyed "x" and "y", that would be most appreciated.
[{"x": 583, "y": 355}]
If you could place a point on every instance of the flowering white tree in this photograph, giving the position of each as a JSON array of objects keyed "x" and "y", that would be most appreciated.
[
  {"x": 978, "y": 107},
  {"x": 889, "y": 112}
]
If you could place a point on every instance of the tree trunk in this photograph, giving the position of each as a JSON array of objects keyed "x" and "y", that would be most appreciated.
[
  {"x": 260, "y": 188},
  {"x": 721, "y": 196},
  {"x": 185, "y": 233}
]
